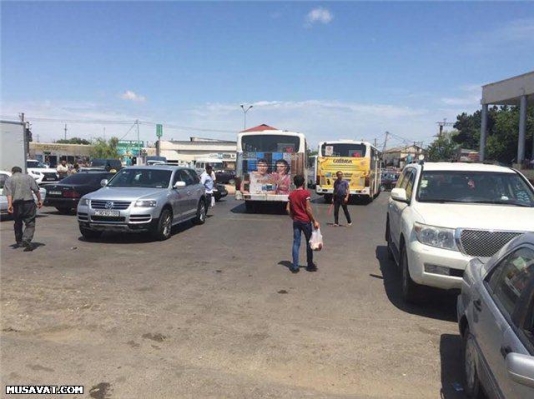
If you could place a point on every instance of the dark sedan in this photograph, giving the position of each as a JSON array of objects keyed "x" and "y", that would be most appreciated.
[
  {"x": 220, "y": 192},
  {"x": 225, "y": 177},
  {"x": 389, "y": 180},
  {"x": 64, "y": 196}
]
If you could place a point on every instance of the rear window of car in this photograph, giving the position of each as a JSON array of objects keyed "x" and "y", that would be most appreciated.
[{"x": 86, "y": 178}]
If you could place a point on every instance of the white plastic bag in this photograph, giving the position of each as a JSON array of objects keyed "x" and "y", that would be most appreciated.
[
  {"x": 212, "y": 201},
  {"x": 316, "y": 240}
]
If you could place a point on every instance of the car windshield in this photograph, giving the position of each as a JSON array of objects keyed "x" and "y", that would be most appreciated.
[
  {"x": 141, "y": 178},
  {"x": 35, "y": 164},
  {"x": 474, "y": 187}
]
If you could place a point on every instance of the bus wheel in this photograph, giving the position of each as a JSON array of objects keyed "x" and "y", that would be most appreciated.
[{"x": 328, "y": 198}]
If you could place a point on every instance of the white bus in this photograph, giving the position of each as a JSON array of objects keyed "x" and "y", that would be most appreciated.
[
  {"x": 358, "y": 160},
  {"x": 267, "y": 161}
]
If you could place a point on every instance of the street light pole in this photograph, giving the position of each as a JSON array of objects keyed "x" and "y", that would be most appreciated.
[{"x": 245, "y": 110}]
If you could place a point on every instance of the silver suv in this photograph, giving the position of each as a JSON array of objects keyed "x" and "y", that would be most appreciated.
[{"x": 143, "y": 199}]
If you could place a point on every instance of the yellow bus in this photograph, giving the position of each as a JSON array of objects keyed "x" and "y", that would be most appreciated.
[{"x": 360, "y": 163}]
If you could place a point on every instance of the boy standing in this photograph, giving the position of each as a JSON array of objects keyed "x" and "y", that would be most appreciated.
[{"x": 299, "y": 208}]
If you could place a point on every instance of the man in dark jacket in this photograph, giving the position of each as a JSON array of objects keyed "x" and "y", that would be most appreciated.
[
  {"x": 19, "y": 189},
  {"x": 341, "y": 197}
]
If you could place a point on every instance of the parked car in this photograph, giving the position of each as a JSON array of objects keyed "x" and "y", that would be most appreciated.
[
  {"x": 389, "y": 180},
  {"x": 441, "y": 215},
  {"x": 225, "y": 177},
  {"x": 41, "y": 172},
  {"x": 4, "y": 174},
  {"x": 66, "y": 194},
  {"x": 497, "y": 323},
  {"x": 219, "y": 192},
  {"x": 143, "y": 199}
]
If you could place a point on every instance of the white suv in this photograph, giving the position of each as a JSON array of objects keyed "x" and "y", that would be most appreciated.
[
  {"x": 40, "y": 172},
  {"x": 442, "y": 215}
]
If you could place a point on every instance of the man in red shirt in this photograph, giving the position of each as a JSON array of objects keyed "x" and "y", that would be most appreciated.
[{"x": 299, "y": 208}]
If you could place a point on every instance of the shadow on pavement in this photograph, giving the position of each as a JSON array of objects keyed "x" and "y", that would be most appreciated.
[
  {"x": 438, "y": 304},
  {"x": 452, "y": 383},
  {"x": 110, "y": 237}
]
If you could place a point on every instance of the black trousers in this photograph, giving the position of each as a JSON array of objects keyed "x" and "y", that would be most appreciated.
[
  {"x": 337, "y": 203},
  {"x": 24, "y": 212}
]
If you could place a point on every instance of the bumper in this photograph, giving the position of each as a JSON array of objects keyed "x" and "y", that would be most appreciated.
[
  {"x": 61, "y": 202},
  {"x": 127, "y": 221},
  {"x": 324, "y": 190},
  {"x": 423, "y": 257}
]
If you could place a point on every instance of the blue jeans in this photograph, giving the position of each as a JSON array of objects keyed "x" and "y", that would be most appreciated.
[{"x": 298, "y": 228}]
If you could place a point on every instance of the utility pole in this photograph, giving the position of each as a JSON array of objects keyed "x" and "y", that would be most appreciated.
[
  {"x": 65, "y": 131},
  {"x": 444, "y": 123},
  {"x": 138, "y": 148},
  {"x": 385, "y": 142}
]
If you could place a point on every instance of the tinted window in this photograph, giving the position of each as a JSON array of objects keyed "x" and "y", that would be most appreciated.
[
  {"x": 3, "y": 179},
  {"x": 408, "y": 182},
  {"x": 344, "y": 150},
  {"x": 270, "y": 143},
  {"x": 508, "y": 280},
  {"x": 185, "y": 177},
  {"x": 475, "y": 187}
]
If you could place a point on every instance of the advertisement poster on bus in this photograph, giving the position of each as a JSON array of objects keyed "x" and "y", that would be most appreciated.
[
  {"x": 354, "y": 170},
  {"x": 270, "y": 173}
]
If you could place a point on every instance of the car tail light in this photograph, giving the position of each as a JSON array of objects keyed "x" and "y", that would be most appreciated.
[
  {"x": 318, "y": 180},
  {"x": 71, "y": 194},
  {"x": 367, "y": 181}
]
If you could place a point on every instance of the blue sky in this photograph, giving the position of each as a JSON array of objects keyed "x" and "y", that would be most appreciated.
[{"x": 328, "y": 69}]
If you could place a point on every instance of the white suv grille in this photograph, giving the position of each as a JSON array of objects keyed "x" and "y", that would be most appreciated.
[{"x": 484, "y": 243}]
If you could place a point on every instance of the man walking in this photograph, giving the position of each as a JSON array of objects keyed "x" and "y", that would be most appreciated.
[
  {"x": 18, "y": 189},
  {"x": 341, "y": 197},
  {"x": 299, "y": 208},
  {"x": 207, "y": 180}
]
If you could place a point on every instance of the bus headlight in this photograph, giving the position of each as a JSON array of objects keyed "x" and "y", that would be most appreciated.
[{"x": 439, "y": 237}]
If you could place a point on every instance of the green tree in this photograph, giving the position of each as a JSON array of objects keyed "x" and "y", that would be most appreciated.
[
  {"x": 105, "y": 149},
  {"x": 502, "y": 129},
  {"x": 443, "y": 148},
  {"x": 73, "y": 140}
]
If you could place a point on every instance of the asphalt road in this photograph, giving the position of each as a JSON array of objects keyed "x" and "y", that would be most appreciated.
[{"x": 214, "y": 312}]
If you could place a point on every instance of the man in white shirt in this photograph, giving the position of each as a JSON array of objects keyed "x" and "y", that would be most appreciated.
[
  {"x": 62, "y": 169},
  {"x": 207, "y": 180}
]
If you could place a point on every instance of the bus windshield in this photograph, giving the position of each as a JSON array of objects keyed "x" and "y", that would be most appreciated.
[
  {"x": 343, "y": 150},
  {"x": 270, "y": 143}
]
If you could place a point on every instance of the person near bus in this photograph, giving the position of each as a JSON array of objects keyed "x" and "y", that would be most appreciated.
[
  {"x": 207, "y": 181},
  {"x": 299, "y": 208},
  {"x": 341, "y": 198}
]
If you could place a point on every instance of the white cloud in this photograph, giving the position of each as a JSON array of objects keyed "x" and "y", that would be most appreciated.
[
  {"x": 518, "y": 33},
  {"x": 319, "y": 15},
  {"x": 132, "y": 96},
  {"x": 471, "y": 95},
  {"x": 318, "y": 119}
]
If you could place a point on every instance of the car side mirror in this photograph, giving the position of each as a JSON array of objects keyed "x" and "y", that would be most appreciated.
[
  {"x": 520, "y": 369},
  {"x": 179, "y": 184},
  {"x": 104, "y": 182},
  {"x": 399, "y": 194}
]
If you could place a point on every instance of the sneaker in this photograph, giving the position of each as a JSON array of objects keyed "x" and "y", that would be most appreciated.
[
  {"x": 350, "y": 224},
  {"x": 295, "y": 271},
  {"x": 312, "y": 268},
  {"x": 335, "y": 224}
]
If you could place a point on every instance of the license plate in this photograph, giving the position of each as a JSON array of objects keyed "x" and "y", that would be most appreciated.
[
  {"x": 54, "y": 193},
  {"x": 106, "y": 212},
  {"x": 49, "y": 178}
]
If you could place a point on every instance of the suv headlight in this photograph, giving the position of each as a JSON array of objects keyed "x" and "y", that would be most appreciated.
[
  {"x": 434, "y": 236},
  {"x": 36, "y": 173},
  {"x": 145, "y": 203},
  {"x": 84, "y": 202}
]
